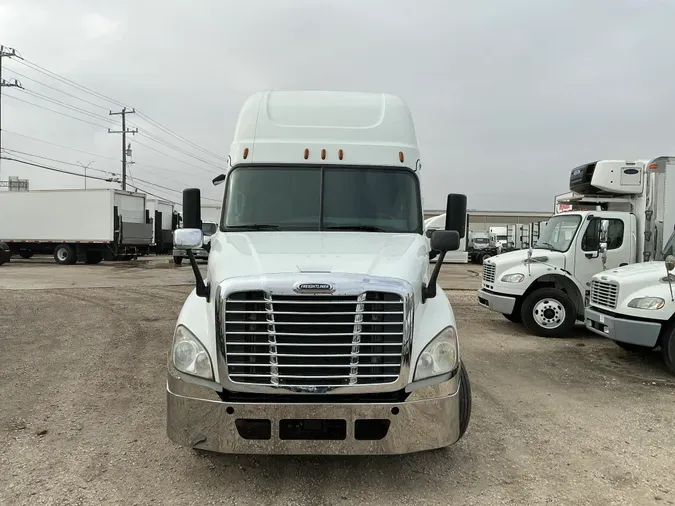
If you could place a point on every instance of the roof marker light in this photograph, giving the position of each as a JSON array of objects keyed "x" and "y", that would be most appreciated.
[
  {"x": 400, "y": 156},
  {"x": 340, "y": 154},
  {"x": 653, "y": 165},
  {"x": 306, "y": 153},
  {"x": 245, "y": 153},
  {"x": 323, "y": 154}
]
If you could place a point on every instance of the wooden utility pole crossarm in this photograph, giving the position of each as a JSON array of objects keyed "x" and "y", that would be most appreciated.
[{"x": 124, "y": 133}]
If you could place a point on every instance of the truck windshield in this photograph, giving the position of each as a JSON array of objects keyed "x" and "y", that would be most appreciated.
[
  {"x": 209, "y": 228},
  {"x": 323, "y": 198},
  {"x": 559, "y": 232}
]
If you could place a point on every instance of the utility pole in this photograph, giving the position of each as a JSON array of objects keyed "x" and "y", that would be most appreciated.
[
  {"x": 6, "y": 52},
  {"x": 124, "y": 133}
]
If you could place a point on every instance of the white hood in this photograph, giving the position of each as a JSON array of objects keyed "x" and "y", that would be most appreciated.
[
  {"x": 234, "y": 254},
  {"x": 511, "y": 259}
]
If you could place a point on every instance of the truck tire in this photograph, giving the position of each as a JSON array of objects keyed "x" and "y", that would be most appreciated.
[
  {"x": 177, "y": 260},
  {"x": 25, "y": 254},
  {"x": 94, "y": 257},
  {"x": 548, "y": 312},
  {"x": 64, "y": 255},
  {"x": 484, "y": 257},
  {"x": 464, "y": 400},
  {"x": 668, "y": 347}
]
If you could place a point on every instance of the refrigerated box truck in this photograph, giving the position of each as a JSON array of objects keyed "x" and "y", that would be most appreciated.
[
  {"x": 74, "y": 225},
  {"x": 164, "y": 221}
]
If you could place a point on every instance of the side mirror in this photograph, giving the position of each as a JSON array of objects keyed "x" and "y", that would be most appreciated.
[
  {"x": 455, "y": 214},
  {"x": 604, "y": 232},
  {"x": 218, "y": 180},
  {"x": 187, "y": 238},
  {"x": 670, "y": 263},
  {"x": 445, "y": 240},
  {"x": 191, "y": 235}
]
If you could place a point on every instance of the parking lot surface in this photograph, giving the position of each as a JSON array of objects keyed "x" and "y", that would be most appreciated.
[{"x": 82, "y": 390}]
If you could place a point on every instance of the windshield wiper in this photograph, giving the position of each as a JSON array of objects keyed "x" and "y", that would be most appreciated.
[
  {"x": 253, "y": 226},
  {"x": 540, "y": 244},
  {"x": 362, "y": 228}
]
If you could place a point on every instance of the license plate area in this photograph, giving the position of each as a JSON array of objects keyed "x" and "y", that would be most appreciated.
[{"x": 313, "y": 429}]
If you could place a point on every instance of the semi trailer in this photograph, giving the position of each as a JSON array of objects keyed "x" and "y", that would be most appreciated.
[
  {"x": 548, "y": 286},
  {"x": 74, "y": 225},
  {"x": 164, "y": 221},
  {"x": 317, "y": 328}
]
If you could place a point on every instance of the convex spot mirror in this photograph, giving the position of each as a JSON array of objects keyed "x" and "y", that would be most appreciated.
[
  {"x": 445, "y": 240},
  {"x": 187, "y": 238}
]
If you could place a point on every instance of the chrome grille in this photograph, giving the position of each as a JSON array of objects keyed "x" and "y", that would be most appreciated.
[
  {"x": 489, "y": 273},
  {"x": 604, "y": 294},
  {"x": 313, "y": 341}
]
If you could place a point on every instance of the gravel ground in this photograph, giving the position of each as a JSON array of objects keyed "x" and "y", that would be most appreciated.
[{"x": 564, "y": 421}]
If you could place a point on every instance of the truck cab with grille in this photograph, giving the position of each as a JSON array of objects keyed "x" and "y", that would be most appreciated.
[
  {"x": 634, "y": 306},
  {"x": 318, "y": 328},
  {"x": 618, "y": 211}
]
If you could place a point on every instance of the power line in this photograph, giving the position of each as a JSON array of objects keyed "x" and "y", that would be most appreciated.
[
  {"x": 57, "y": 161},
  {"x": 46, "y": 167},
  {"x": 55, "y": 112},
  {"x": 178, "y": 159},
  {"x": 53, "y": 75},
  {"x": 58, "y": 90},
  {"x": 171, "y": 132},
  {"x": 68, "y": 106},
  {"x": 60, "y": 145},
  {"x": 159, "y": 140}
]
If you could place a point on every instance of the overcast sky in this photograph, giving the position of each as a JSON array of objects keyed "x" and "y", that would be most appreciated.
[{"x": 507, "y": 96}]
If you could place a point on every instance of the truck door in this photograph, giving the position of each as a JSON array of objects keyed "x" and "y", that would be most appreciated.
[{"x": 620, "y": 245}]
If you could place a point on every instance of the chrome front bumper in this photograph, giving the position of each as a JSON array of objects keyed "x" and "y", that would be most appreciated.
[
  {"x": 197, "y": 418},
  {"x": 637, "y": 332},
  {"x": 500, "y": 303}
]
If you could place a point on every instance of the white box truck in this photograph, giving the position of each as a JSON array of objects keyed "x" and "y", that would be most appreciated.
[
  {"x": 318, "y": 328},
  {"x": 547, "y": 287},
  {"x": 452, "y": 257},
  {"x": 74, "y": 225},
  {"x": 634, "y": 305},
  {"x": 164, "y": 221}
]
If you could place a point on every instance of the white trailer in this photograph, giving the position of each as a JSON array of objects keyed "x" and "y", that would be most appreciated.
[
  {"x": 211, "y": 212},
  {"x": 164, "y": 222},
  {"x": 74, "y": 225},
  {"x": 548, "y": 287}
]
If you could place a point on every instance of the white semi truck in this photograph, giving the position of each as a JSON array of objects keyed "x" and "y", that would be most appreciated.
[
  {"x": 318, "y": 328},
  {"x": 547, "y": 287},
  {"x": 74, "y": 225}
]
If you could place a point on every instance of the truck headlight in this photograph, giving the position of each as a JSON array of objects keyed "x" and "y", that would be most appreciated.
[
  {"x": 513, "y": 278},
  {"x": 439, "y": 356},
  {"x": 189, "y": 355},
  {"x": 647, "y": 303}
]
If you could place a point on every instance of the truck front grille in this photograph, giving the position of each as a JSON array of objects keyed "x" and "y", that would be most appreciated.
[
  {"x": 489, "y": 273},
  {"x": 313, "y": 341},
  {"x": 604, "y": 294}
]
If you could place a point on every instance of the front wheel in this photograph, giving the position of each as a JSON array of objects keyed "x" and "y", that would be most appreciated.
[
  {"x": 464, "y": 401},
  {"x": 548, "y": 312},
  {"x": 668, "y": 347}
]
